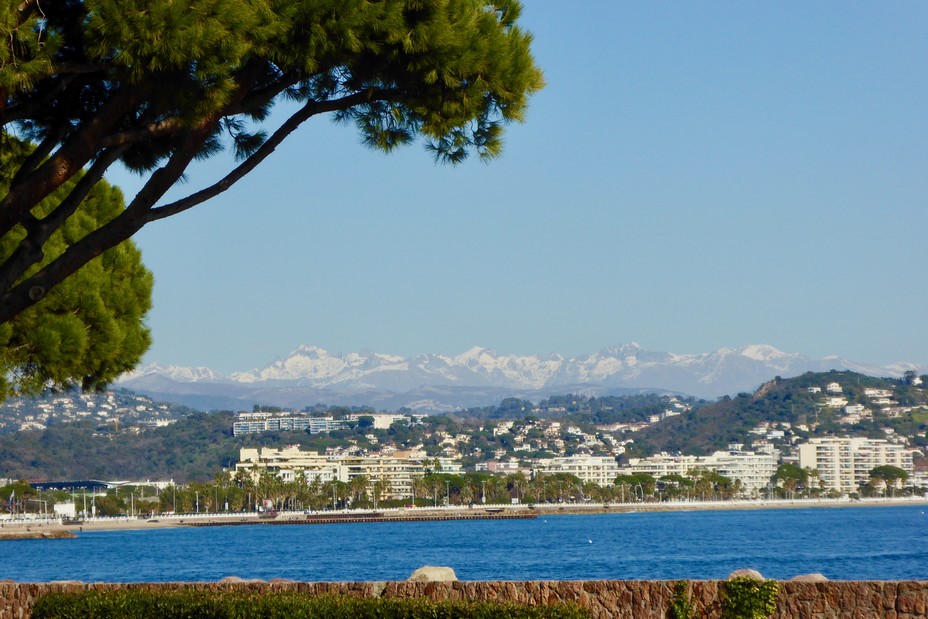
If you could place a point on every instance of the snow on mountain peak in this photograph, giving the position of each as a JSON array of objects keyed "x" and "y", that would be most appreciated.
[
  {"x": 175, "y": 372},
  {"x": 627, "y": 365},
  {"x": 310, "y": 351},
  {"x": 762, "y": 352}
]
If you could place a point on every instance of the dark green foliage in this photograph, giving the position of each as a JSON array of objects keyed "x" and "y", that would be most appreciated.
[
  {"x": 681, "y": 605},
  {"x": 646, "y": 482},
  {"x": 792, "y": 472},
  {"x": 748, "y": 598},
  {"x": 90, "y": 329},
  {"x": 889, "y": 474},
  {"x": 189, "y": 604},
  {"x": 194, "y": 448}
]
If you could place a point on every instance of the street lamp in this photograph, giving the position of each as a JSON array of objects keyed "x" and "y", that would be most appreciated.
[{"x": 448, "y": 492}]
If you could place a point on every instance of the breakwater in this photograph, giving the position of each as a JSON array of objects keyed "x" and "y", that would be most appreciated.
[
  {"x": 359, "y": 518},
  {"x": 632, "y": 599}
]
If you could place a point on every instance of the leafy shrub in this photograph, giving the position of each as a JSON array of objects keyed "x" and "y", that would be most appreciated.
[
  {"x": 749, "y": 598},
  {"x": 191, "y": 604}
]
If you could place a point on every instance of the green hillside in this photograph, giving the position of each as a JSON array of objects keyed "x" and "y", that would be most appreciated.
[
  {"x": 730, "y": 419},
  {"x": 194, "y": 448}
]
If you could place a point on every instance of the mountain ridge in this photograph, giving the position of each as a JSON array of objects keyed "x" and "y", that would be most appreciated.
[{"x": 311, "y": 374}]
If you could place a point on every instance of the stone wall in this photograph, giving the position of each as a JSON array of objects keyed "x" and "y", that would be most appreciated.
[{"x": 605, "y": 599}]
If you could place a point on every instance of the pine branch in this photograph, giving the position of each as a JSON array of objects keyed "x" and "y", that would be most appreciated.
[
  {"x": 79, "y": 148},
  {"x": 33, "y": 289},
  {"x": 29, "y": 251},
  {"x": 309, "y": 110}
]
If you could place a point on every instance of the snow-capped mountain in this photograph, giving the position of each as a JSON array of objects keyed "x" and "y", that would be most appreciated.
[
  {"x": 176, "y": 373},
  {"x": 478, "y": 376}
]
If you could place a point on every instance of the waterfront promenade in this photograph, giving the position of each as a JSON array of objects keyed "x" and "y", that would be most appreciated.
[{"x": 39, "y": 527}]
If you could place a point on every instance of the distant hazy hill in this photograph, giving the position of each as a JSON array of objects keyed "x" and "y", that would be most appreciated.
[{"x": 478, "y": 377}]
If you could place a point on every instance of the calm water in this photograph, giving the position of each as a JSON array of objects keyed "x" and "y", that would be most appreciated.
[{"x": 844, "y": 544}]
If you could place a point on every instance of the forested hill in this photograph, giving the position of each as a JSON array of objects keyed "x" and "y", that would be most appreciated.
[
  {"x": 800, "y": 402},
  {"x": 194, "y": 448}
]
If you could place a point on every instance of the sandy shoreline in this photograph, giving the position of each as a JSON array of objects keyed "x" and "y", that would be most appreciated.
[{"x": 50, "y": 528}]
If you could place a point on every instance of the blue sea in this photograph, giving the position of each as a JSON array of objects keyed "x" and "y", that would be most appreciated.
[{"x": 867, "y": 543}]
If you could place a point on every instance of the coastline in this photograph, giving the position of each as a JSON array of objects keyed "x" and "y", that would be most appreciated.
[{"x": 39, "y": 528}]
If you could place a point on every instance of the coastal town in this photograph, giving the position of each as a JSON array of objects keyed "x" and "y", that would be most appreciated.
[
  {"x": 546, "y": 453},
  {"x": 434, "y": 309}
]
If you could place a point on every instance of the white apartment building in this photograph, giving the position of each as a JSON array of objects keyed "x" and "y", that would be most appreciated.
[
  {"x": 287, "y": 463},
  {"x": 255, "y": 423},
  {"x": 383, "y": 421},
  {"x": 754, "y": 470},
  {"x": 494, "y": 466},
  {"x": 596, "y": 469},
  {"x": 396, "y": 474},
  {"x": 844, "y": 464}
]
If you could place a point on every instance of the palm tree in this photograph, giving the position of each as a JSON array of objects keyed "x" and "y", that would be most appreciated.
[
  {"x": 357, "y": 486},
  {"x": 516, "y": 482},
  {"x": 468, "y": 492},
  {"x": 420, "y": 488},
  {"x": 537, "y": 486},
  {"x": 435, "y": 486},
  {"x": 380, "y": 489},
  {"x": 593, "y": 492}
]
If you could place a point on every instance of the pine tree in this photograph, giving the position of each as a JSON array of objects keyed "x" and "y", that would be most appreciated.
[
  {"x": 156, "y": 84},
  {"x": 90, "y": 328}
]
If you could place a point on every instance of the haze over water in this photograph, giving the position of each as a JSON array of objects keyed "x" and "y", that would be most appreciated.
[{"x": 871, "y": 543}]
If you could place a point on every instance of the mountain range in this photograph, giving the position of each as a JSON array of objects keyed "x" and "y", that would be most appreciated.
[{"x": 478, "y": 377}]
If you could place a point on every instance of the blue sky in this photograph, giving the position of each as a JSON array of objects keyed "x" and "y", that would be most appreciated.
[{"x": 694, "y": 175}]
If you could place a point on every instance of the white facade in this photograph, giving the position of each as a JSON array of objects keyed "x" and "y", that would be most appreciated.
[
  {"x": 288, "y": 463},
  {"x": 65, "y": 510},
  {"x": 601, "y": 471},
  {"x": 255, "y": 423},
  {"x": 383, "y": 421},
  {"x": 753, "y": 470},
  {"x": 844, "y": 464},
  {"x": 396, "y": 474}
]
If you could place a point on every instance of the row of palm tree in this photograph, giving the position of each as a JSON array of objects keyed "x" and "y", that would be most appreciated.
[{"x": 243, "y": 491}]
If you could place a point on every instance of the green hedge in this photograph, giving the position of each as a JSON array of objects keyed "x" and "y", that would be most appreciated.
[{"x": 191, "y": 604}]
